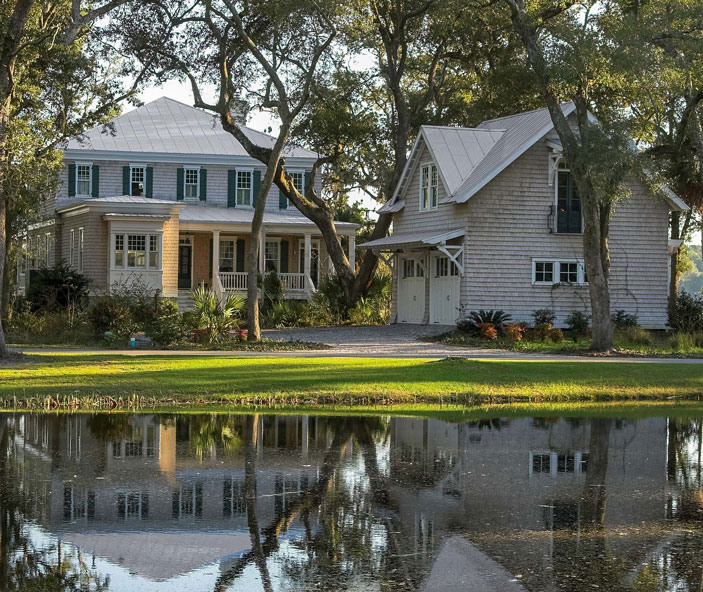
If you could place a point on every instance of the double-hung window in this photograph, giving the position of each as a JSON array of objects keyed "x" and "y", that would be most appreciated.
[
  {"x": 137, "y": 178},
  {"x": 153, "y": 251},
  {"x": 226, "y": 255},
  {"x": 428, "y": 187},
  {"x": 47, "y": 249},
  {"x": 272, "y": 259},
  {"x": 298, "y": 181},
  {"x": 549, "y": 272},
  {"x": 569, "y": 219},
  {"x": 245, "y": 187},
  {"x": 83, "y": 178},
  {"x": 119, "y": 250},
  {"x": 136, "y": 250},
  {"x": 192, "y": 183}
]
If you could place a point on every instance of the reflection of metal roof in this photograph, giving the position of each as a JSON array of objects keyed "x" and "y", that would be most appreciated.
[
  {"x": 171, "y": 127},
  {"x": 420, "y": 239},
  {"x": 160, "y": 556}
]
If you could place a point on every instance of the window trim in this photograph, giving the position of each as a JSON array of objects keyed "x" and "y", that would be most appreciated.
[
  {"x": 90, "y": 178},
  {"x": 273, "y": 239},
  {"x": 556, "y": 271},
  {"x": 555, "y": 222},
  {"x": 185, "y": 183},
  {"x": 125, "y": 250},
  {"x": 233, "y": 240},
  {"x": 132, "y": 167},
  {"x": 72, "y": 247},
  {"x": 251, "y": 187},
  {"x": 430, "y": 207},
  {"x": 81, "y": 244}
]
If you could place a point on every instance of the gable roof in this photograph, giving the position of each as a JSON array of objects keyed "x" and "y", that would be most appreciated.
[
  {"x": 468, "y": 158},
  {"x": 167, "y": 126}
]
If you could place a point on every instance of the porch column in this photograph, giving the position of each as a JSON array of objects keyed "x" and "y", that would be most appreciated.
[
  {"x": 215, "y": 256},
  {"x": 308, "y": 254},
  {"x": 352, "y": 252},
  {"x": 262, "y": 252}
]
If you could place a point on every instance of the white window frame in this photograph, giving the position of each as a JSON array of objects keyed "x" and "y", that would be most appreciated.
[
  {"x": 430, "y": 167},
  {"x": 81, "y": 244},
  {"x": 125, "y": 250},
  {"x": 278, "y": 247},
  {"x": 250, "y": 205},
  {"x": 233, "y": 240},
  {"x": 132, "y": 168},
  {"x": 185, "y": 183},
  {"x": 90, "y": 178},
  {"x": 72, "y": 248},
  {"x": 47, "y": 248},
  {"x": 556, "y": 271}
]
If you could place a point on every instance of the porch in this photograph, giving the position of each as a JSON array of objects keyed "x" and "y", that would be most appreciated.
[{"x": 217, "y": 259}]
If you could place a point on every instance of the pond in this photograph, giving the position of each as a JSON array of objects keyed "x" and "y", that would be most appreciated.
[{"x": 292, "y": 502}]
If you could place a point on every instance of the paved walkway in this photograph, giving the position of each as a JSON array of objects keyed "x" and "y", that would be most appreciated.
[{"x": 391, "y": 341}]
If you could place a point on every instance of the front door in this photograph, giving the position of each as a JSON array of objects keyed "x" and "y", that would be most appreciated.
[
  {"x": 185, "y": 260},
  {"x": 411, "y": 291}
]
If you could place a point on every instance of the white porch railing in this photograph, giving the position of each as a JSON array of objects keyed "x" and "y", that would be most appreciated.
[
  {"x": 236, "y": 281},
  {"x": 233, "y": 281}
]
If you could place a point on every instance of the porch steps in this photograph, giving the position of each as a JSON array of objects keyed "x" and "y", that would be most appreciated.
[{"x": 185, "y": 300}]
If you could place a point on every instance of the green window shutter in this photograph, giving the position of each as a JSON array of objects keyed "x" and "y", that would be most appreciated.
[
  {"x": 149, "y": 182},
  {"x": 257, "y": 186},
  {"x": 96, "y": 181},
  {"x": 203, "y": 184},
  {"x": 307, "y": 177},
  {"x": 180, "y": 180},
  {"x": 574, "y": 207},
  {"x": 282, "y": 200},
  {"x": 231, "y": 188},
  {"x": 71, "y": 180},
  {"x": 284, "y": 256},
  {"x": 126, "y": 188},
  {"x": 240, "y": 254}
]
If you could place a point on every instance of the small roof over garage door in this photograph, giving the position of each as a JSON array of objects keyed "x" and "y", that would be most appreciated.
[{"x": 396, "y": 242}]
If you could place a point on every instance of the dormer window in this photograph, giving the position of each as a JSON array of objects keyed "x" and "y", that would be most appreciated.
[
  {"x": 137, "y": 177},
  {"x": 192, "y": 182},
  {"x": 83, "y": 180},
  {"x": 428, "y": 187},
  {"x": 244, "y": 188}
]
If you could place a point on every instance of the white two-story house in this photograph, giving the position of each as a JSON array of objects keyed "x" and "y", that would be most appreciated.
[
  {"x": 489, "y": 218},
  {"x": 163, "y": 195}
]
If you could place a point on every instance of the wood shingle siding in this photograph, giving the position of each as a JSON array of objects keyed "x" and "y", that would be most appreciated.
[{"x": 506, "y": 225}]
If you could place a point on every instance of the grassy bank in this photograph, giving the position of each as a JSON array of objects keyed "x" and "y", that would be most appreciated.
[{"x": 88, "y": 381}]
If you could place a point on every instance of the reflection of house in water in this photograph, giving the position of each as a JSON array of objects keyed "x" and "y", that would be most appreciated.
[{"x": 174, "y": 487}]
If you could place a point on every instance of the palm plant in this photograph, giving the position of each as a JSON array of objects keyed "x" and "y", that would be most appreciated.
[{"x": 216, "y": 319}]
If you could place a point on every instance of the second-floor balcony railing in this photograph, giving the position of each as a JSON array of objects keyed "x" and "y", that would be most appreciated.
[{"x": 236, "y": 281}]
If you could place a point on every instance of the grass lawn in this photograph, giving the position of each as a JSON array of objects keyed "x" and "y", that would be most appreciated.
[{"x": 87, "y": 381}]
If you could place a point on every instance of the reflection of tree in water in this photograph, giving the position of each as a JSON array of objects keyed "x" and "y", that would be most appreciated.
[
  {"x": 23, "y": 566},
  {"x": 356, "y": 530}
]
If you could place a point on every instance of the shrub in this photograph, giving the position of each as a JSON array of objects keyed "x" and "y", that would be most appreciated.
[
  {"x": 542, "y": 331},
  {"x": 633, "y": 336},
  {"x": 470, "y": 324},
  {"x": 577, "y": 322},
  {"x": 487, "y": 331},
  {"x": 556, "y": 335},
  {"x": 166, "y": 326},
  {"x": 273, "y": 291},
  {"x": 687, "y": 313},
  {"x": 544, "y": 316},
  {"x": 57, "y": 288},
  {"x": 318, "y": 312},
  {"x": 111, "y": 313},
  {"x": 330, "y": 295},
  {"x": 624, "y": 320},
  {"x": 513, "y": 332},
  {"x": 215, "y": 320},
  {"x": 373, "y": 310},
  {"x": 286, "y": 313},
  {"x": 684, "y": 342}
]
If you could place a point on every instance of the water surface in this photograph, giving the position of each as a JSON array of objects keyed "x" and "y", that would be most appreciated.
[{"x": 262, "y": 502}]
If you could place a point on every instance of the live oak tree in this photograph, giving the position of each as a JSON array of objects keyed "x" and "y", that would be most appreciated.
[
  {"x": 572, "y": 60},
  {"x": 262, "y": 52},
  {"x": 54, "y": 82}
]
